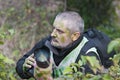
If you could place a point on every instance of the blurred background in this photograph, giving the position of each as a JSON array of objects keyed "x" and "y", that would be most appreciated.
[{"x": 24, "y": 22}]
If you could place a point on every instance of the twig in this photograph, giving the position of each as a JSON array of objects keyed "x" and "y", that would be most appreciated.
[{"x": 65, "y": 5}]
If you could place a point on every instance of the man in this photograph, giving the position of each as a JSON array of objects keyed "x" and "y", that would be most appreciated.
[{"x": 64, "y": 45}]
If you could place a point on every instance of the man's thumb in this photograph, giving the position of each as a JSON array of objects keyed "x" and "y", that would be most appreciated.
[{"x": 32, "y": 55}]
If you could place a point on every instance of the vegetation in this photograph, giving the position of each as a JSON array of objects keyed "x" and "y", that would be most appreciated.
[
  {"x": 99, "y": 14},
  {"x": 25, "y": 22},
  {"x": 94, "y": 12},
  {"x": 7, "y": 71}
]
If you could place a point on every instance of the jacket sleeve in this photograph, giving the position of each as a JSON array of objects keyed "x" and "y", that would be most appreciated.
[{"x": 19, "y": 64}]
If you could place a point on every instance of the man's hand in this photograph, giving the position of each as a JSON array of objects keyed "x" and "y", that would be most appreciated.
[{"x": 29, "y": 62}]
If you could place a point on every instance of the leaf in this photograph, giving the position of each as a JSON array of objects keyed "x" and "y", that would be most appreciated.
[
  {"x": 83, "y": 60},
  {"x": 11, "y": 31},
  {"x": 11, "y": 9},
  {"x": 94, "y": 63},
  {"x": 1, "y": 56},
  {"x": 2, "y": 35},
  {"x": 9, "y": 61},
  {"x": 6, "y": 59},
  {"x": 11, "y": 75},
  {"x": 116, "y": 59},
  {"x": 1, "y": 42},
  {"x": 89, "y": 75},
  {"x": 79, "y": 73},
  {"x": 67, "y": 70},
  {"x": 74, "y": 64},
  {"x": 113, "y": 44},
  {"x": 74, "y": 68},
  {"x": 97, "y": 77},
  {"x": 16, "y": 52},
  {"x": 107, "y": 77},
  {"x": 80, "y": 63}
]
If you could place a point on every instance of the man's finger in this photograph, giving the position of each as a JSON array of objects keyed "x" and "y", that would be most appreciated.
[
  {"x": 30, "y": 63},
  {"x": 32, "y": 55},
  {"x": 31, "y": 59},
  {"x": 27, "y": 66}
]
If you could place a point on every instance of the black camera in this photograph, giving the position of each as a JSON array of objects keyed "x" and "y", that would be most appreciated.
[{"x": 42, "y": 57}]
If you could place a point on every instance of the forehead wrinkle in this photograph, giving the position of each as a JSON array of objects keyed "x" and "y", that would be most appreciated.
[
  {"x": 59, "y": 24},
  {"x": 71, "y": 26},
  {"x": 66, "y": 24}
]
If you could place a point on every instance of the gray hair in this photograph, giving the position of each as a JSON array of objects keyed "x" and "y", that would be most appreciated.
[{"x": 75, "y": 23}]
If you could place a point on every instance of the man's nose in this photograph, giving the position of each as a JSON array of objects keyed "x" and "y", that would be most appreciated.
[{"x": 53, "y": 34}]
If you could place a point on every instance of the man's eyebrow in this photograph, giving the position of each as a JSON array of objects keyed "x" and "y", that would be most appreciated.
[
  {"x": 60, "y": 30},
  {"x": 53, "y": 27}
]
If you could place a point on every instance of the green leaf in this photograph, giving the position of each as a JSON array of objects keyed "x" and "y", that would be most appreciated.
[
  {"x": 74, "y": 64},
  {"x": 6, "y": 59},
  {"x": 9, "y": 61},
  {"x": 113, "y": 44},
  {"x": 80, "y": 63},
  {"x": 2, "y": 35},
  {"x": 107, "y": 77},
  {"x": 1, "y": 42},
  {"x": 1, "y": 56},
  {"x": 97, "y": 77},
  {"x": 88, "y": 75},
  {"x": 12, "y": 9},
  {"x": 67, "y": 70},
  {"x": 79, "y": 73},
  {"x": 11, "y": 31},
  {"x": 83, "y": 60},
  {"x": 16, "y": 52},
  {"x": 11, "y": 76},
  {"x": 94, "y": 63},
  {"x": 74, "y": 68},
  {"x": 116, "y": 59}
]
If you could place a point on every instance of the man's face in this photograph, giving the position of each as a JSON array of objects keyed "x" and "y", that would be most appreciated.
[{"x": 61, "y": 36}]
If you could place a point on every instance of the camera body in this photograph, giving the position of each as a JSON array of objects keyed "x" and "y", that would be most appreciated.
[{"x": 42, "y": 57}]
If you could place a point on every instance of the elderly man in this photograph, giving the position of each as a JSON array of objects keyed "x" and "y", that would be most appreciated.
[{"x": 64, "y": 46}]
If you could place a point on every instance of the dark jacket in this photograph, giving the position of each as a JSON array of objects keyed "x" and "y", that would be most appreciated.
[{"x": 57, "y": 58}]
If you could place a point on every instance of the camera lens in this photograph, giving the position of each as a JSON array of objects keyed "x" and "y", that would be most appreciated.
[{"x": 42, "y": 57}]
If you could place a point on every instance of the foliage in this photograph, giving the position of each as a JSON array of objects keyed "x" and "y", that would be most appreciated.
[
  {"x": 23, "y": 20},
  {"x": 99, "y": 14},
  {"x": 112, "y": 32},
  {"x": 6, "y": 69},
  {"x": 94, "y": 12},
  {"x": 76, "y": 71},
  {"x": 114, "y": 70},
  {"x": 114, "y": 45}
]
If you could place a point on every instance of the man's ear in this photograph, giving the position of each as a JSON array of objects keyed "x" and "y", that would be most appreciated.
[{"x": 75, "y": 36}]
